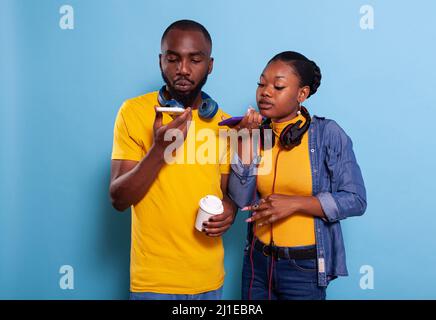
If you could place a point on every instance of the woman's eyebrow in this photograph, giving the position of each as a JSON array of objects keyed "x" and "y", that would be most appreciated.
[{"x": 276, "y": 77}]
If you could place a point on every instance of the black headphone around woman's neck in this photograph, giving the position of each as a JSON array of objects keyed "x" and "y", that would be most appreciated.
[{"x": 291, "y": 135}]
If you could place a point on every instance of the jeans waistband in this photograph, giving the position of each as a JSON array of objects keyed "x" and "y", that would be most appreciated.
[{"x": 295, "y": 253}]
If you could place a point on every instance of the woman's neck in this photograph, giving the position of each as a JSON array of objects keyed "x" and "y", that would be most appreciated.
[{"x": 286, "y": 118}]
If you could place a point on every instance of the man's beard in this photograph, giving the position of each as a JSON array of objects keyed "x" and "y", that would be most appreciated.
[{"x": 186, "y": 99}]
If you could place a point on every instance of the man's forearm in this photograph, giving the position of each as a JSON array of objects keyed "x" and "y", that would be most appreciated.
[
  {"x": 229, "y": 203},
  {"x": 129, "y": 188}
]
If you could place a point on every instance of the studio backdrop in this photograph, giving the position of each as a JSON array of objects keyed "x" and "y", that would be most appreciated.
[{"x": 67, "y": 66}]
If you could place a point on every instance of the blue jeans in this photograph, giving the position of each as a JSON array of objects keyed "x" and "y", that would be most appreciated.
[
  {"x": 209, "y": 295},
  {"x": 291, "y": 280}
]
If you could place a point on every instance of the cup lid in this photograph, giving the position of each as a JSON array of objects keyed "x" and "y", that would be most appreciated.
[{"x": 212, "y": 204}]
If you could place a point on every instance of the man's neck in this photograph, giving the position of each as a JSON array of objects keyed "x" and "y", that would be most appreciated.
[
  {"x": 194, "y": 104},
  {"x": 197, "y": 102}
]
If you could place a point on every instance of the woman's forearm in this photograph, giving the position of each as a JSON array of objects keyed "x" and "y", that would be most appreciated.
[
  {"x": 245, "y": 148},
  {"x": 310, "y": 205}
]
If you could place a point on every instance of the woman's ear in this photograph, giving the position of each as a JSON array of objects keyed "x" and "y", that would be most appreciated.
[{"x": 303, "y": 94}]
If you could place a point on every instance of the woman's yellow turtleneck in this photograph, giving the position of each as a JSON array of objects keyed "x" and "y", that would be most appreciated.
[{"x": 293, "y": 177}]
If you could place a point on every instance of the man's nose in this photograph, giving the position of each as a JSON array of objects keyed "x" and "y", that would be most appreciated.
[{"x": 184, "y": 68}]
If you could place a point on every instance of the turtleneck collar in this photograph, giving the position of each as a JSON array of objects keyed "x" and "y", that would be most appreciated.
[{"x": 278, "y": 127}]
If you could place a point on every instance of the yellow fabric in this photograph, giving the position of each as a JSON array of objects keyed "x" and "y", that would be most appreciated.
[
  {"x": 293, "y": 177},
  {"x": 168, "y": 255}
]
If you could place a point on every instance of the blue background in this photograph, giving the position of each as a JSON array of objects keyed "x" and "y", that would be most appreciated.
[{"x": 61, "y": 89}]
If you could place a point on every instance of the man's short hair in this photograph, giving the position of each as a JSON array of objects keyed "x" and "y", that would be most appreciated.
[{"x": 188, "y": 25}]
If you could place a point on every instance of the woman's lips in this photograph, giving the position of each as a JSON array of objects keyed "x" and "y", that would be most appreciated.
[{"x": 264, "y": 105}]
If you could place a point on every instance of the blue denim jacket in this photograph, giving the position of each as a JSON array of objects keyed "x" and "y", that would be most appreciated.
[{"x": 336, "y": 181}]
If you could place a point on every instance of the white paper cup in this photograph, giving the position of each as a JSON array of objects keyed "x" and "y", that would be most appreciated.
[{"x": 209, "y": 206}]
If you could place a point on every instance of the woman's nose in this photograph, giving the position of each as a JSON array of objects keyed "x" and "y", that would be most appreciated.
[{"x": 265, "y": 92}]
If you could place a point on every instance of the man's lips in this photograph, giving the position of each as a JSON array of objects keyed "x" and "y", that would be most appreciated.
[{"x": 183, "y": 84}]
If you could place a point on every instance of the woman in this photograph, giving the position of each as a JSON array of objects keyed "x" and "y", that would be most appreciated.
[{"x": 294, "y": 244}]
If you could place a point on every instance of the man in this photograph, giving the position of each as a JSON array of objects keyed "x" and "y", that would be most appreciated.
[{"x": 170, "y": 259}]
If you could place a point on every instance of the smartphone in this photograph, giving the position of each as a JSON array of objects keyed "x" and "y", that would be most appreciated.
[
  {"x": 171, "y": 110},
  {"x": 230, "y": 122}
]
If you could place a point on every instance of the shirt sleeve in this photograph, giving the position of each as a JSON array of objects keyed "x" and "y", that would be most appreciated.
[
  {"x": 225, "y": 161},
  {"x": 349, "y": 195},
  {"x": 125, "y": 147},
  {"x": 226, "y": 157}
]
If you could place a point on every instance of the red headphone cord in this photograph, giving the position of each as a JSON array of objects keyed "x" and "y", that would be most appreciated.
[
  {"x": 252, "y": 262},
  {"x": 271, "y": 271},
  {"x": 253, "y": 238},
  {"x": 271, "y": 242}
]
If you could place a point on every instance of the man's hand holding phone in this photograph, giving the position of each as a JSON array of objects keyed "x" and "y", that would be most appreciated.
[{"x": 181, "y": 123}]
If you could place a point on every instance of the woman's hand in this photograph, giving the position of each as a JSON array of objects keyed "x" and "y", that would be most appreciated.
[
  {"x": 279, "y": 206},
  {"x": 251, "y": 120},
  {"x": 272, "y": 208}
]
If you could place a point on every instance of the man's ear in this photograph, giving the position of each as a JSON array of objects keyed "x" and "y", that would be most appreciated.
[
  {"x": 160, "y": 61},
  {"x": 210, "y": 68}
]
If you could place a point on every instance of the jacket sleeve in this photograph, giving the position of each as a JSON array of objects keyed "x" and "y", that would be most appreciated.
[
  {"x": 348, "y": 196},
  {"x": 242, "y": 182}
]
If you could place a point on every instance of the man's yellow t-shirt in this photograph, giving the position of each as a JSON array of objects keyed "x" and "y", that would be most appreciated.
[{"x": 168, "y": 255}]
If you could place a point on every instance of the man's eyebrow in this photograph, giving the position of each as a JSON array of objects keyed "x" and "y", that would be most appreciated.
[
  {"x": 197, "y": 53},
  {"x": 172, "y": 52}
]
